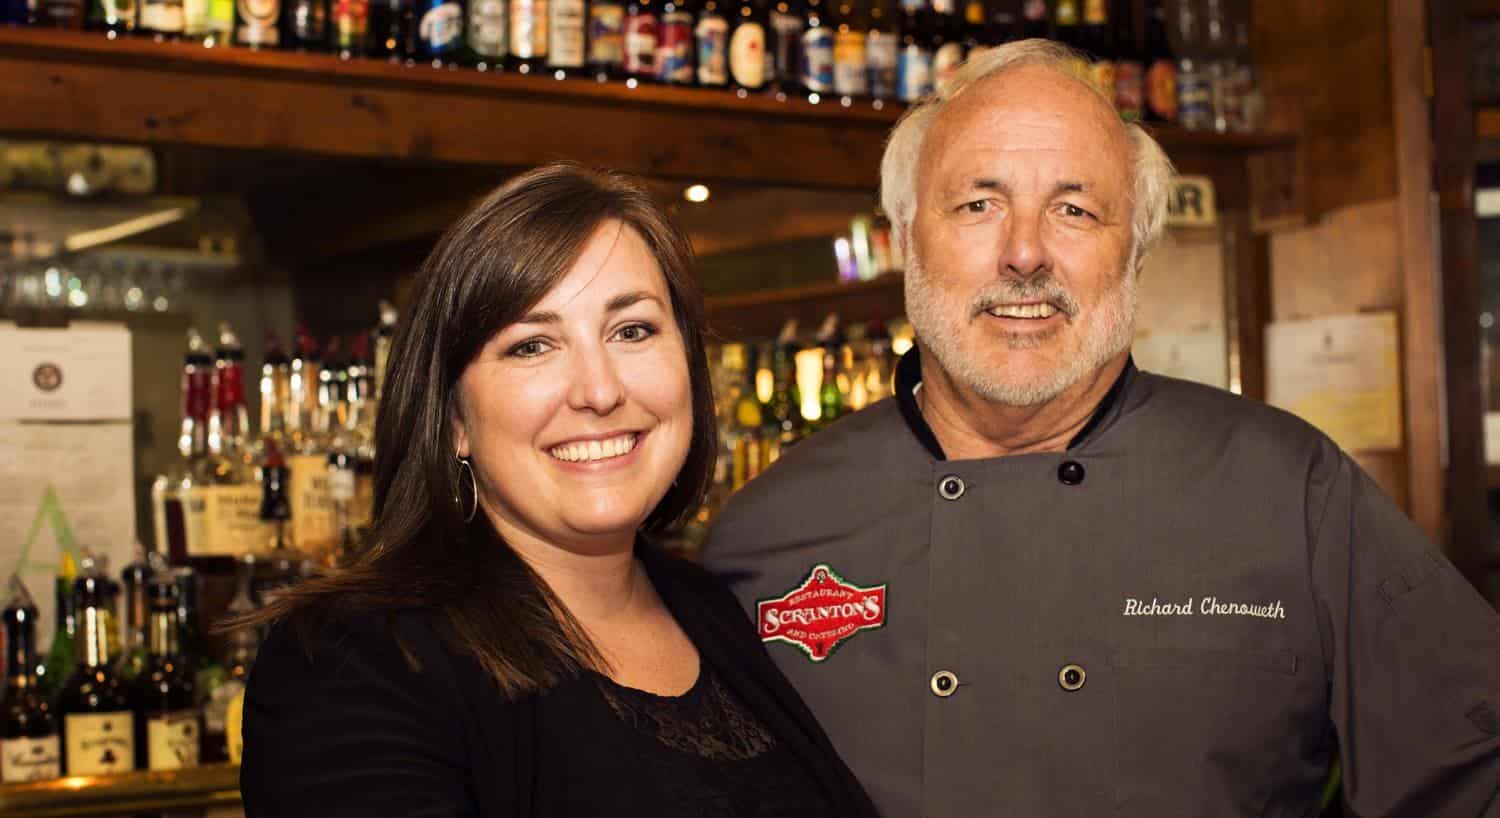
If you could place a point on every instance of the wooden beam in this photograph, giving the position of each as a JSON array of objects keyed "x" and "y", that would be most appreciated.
[
  {"x": 1421, "y": 328},
  {"x": 1454, "y": 141}
]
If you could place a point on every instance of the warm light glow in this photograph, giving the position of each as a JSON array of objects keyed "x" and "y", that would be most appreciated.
[
  {"x": 697, "y": 194},
  {"x": 765, "y": 384},
  {"x": 809, "y": 363}
]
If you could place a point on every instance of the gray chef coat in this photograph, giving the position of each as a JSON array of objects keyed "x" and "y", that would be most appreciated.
[{"x": 1186, "y": 613}]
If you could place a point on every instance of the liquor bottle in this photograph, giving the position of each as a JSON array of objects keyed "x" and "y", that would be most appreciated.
[
  {"x": 1099, "y": 42},
  {"x": 178, "y": 495},
  {"x": 914, "y": 65},
  {"x": 674, "y": 43},
  {"x": 947, "y": 43},
  {"x": 787, "y": 25},
  {"x": 60, "y": 13},
  {"x": 305, "y": 24},
  {"x": 1065, "y": 29},
  {"x": 1245, "y": 101},
  {"x": 242, "y": 646},
  {"x": 162, "y": 19},
  {"x": 132, "y": 660},
  {"x": 830, "y": 396},
  {"x": 640, "y": 39},
  {"x": 606, "y": 44},
  {"x": 342, "y": 470},
  {"x": 975, "y": 30},
  {"x": 1035, "y": 19},
  {"x": 30, "y": 749},
  {"x": 747, "y": 435},
  {"x": 1161, "y": 66},
  {"x": 487, "y": 33},
  {"x": 350, "y": 25},
  {"x": 208, "y": 22},
  {"x": 785, "y": 408},
  {"x": 1195, "y": 96},
  {"x": 62, "y": 655},
  {"x": 850, "y": 60},
  {"x": 566, "y": 48},
  {"x": 393, "y": 29},
  {"x": 284, "y": 562},
  {"x": 1218, "y": 53},
  {"x": 882, "y": 50},
  {"x": 440, "y": 30},
  {"x": 711, "y": 35},
  {"x": 167, "y": 720},
  {"x": 98, "y": 725},
  {"x": 230, "y": 494},
  {"x": 190, "y": 637},
  {"x": 362, "y": 411},
  {"x": 259, "y": 23},
  {"x": 115, "y": 17},
  {"x": 302, "y": 442},
  {"x": 747, "y": 47},
  {"x": 817, "y": 48},
  {"x": 1130, "y": 68}
]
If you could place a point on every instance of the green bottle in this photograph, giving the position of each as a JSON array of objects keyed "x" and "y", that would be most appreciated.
[{"x": 62, "y": 656}]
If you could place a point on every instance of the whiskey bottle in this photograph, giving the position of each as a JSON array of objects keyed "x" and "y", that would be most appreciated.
[
  {"x": 177, "y": 495},
  {"x": 166, "y": 712},
  {"x": 30, "y": 749},
  {"x": 132, "y": 659},
  {"x": 232, "y": 521},
  {"x": 98, "y": 725}
]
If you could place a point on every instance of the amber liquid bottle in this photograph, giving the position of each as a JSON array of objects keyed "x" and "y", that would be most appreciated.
[
  {"x": 30, "y": 749},
  {"x": 98, "y": 724},
  {"x": 168, "y": 723}
]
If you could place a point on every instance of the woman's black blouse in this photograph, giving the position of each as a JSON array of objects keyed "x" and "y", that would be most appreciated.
[{"x": 351, "y": 725}]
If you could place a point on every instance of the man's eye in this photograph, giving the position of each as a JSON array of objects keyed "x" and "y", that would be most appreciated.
[
  {"x": 976, "y": 207},
  {"x": 1074, "y": 211}
]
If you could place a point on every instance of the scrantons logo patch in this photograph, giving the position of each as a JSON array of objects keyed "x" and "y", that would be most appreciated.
[{"x": 821, "y": 613}]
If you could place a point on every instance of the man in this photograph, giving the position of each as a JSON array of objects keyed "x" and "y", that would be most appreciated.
[{"x": 1042, "y": 583}]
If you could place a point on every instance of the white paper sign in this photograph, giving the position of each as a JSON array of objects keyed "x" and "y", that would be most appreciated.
[
  {"x": 1341, "y": 374},
  {"x": 78, "y": 373},
  {"x": 1200, "y": 354}
]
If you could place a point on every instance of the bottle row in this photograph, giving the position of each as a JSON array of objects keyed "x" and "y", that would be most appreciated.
[
  {"x": 127, "y": 682},
  {"x": 302, "y": 484},
  {"x": 1194, "y": 67}
]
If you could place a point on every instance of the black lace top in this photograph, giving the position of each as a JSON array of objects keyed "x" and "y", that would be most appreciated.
[{"x": 703, "y": 754}]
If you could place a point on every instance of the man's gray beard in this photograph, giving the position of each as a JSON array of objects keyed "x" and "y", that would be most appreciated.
[{"x": 1105, "y": 335}]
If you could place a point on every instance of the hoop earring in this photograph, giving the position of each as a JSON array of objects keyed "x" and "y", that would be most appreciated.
[{"x": 463, "y": 466}]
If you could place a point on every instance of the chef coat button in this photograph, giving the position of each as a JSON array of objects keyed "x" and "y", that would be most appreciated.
[
  {"x": 1072, "y": 677},
  {"x": 951, "y": 488},
  {"x": 944, "y": 684},
  {"x": 1070, "y": 472}
]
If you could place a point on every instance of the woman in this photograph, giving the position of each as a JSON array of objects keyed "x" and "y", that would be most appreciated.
[{"x": 507, "y": 645}]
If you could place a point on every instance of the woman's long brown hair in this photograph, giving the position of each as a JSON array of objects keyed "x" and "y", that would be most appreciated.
[{"x": 485, "y": 273}]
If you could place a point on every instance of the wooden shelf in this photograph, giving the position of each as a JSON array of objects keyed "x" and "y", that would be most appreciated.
[
  {"x": 84, "y": 85},
  {"x": 207, "y": 786},
  {"x": 762, "y": 314}
]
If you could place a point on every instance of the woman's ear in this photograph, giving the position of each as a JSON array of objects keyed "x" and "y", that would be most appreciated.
[{"x": 460, "y": 430}]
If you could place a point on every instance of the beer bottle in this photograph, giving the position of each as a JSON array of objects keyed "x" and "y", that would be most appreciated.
[
  {"x": 1195, "y": 100},
  {"x": 789, "y": 21},
  {"x": 947, "y": 42},
  {"x": 528, "y": 36},
  {"x": 882, "y": 50},
  {"x": 817, "y": 48},
  {"x": 850, "y": 78},
  {"x": 305, "y": 24},
  {"x": 640, "y": 39},
  {"x": 487, "y": 33},
  {"x": 914, "y": 64},
  {"x": 167, "y": 720},
  {"x": 674, "y": 43},
  {"x": 29, "y": 746},
  {"x": 112, "y": 16},
  {"x": 1130, "y": 70},
  {"x": 711, "y": 35},
  {"x": 747, "y": 47},
  {"x": 350, "y": 27},
  {"x": 1099, "y": 43},
  {"x": 606, "y": 39},
  {"x": 1161, "y": 66},
  {"x": 566, "y": 48}
]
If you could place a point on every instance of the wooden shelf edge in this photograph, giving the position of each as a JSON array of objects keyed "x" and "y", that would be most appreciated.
[
  {"x": 209, "y": 785},
  {"x": 756, "y": 315}
]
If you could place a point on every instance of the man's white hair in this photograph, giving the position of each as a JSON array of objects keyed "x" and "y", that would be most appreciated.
[{"x": 898, "y": 168}]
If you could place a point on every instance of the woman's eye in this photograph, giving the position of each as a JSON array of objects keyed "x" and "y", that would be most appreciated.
[
  {"x": 528, "y": 349},
  {"x": 635, "y": 332}
]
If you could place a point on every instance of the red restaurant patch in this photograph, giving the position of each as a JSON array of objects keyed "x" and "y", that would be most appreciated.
[{"x": 820, "y": 613}]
